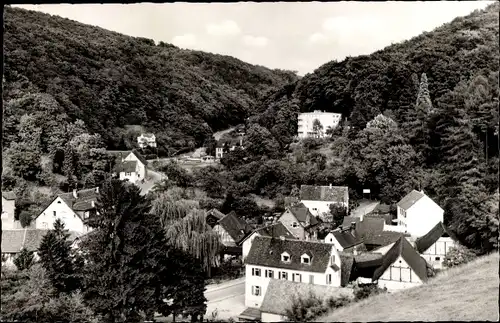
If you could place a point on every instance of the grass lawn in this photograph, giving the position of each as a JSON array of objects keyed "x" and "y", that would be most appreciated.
[{"x": 466, "y": 293}]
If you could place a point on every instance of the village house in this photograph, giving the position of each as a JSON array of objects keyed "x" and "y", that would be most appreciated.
[
  {"x": 418, "y": 214},
  {"x": 402, "y": 267},
  {"x": 232, "y": 229},
  {"x": 73, "y": 209},
  {"x": 8, "y": 211},
  {"x": 300, "y": 222},
  {"x": 227, "y": 145},
  {"x": 434, "y": 246},
  {"x": 345, "y": 240},
  {"x": 300, "y": 261},
  {"x": 275, "y": 230},
  {"x": 319, "y": 198},
  {"x": 146, "y": 140},
  {"x": 130, "y": 165},
  {"x": 13, "y": 241},
  {"x": 305, "y": 123},
  {"x": 213, "y": 216}
]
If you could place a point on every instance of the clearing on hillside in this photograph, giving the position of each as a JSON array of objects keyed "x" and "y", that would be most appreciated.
[{"x": 466, "y": 293}]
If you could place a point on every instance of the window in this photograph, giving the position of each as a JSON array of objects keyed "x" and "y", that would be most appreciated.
[
  {"x": 329, "y": 279},
  {"x": 269, "y": 274},
  {"x": 311, "y": 279},
  {"x": 55, "y": 213},
  {"x": 438, "y": 258},
  {"x": 256, "y": 290},
  {"x": 315, "y": 209},
  {"x": 128, "y": 174},
  {"x": 283, "y": 275},
  {"x": 305, "y": 259},
  {"x": 297, "y": 278},
  {"x": 255, "y": 272},
  {"x": 333, "y": 259},
  {"x": 295, "y": 224},
  {"x": 285, "y": 257}
]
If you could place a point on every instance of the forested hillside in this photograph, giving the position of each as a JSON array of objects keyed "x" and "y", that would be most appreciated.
[
  {"x": 111, "y": 81},
  {"x": 422, "y": 114}
]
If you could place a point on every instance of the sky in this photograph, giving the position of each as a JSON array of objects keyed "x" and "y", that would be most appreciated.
[{"x": 299, "y": 36}]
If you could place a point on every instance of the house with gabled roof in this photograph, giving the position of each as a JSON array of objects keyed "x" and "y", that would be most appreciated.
[
  {"x": 146, "y": 140},
  {"x": 402, "y": 267},
  {"x": 296, "y": 260},
  {"x": 344, "y": 240},
  {"x": 222, "y": 146},
  {"x": 232, "y": 229},
  {"x": 435, "y": 245},
  {"x": 13, "y": 241},
  {"x": 299, "y": 220},
  {"x": 129, "y": 165},
  {"x": 9, "y": 211},
  {"x": 213, "y": 216},
  {"x": 319, "y": 198},
  {"x": 418, "y": 214},
  {"x": 73, "y": 209},
  {"x": 275, "y": 230}
]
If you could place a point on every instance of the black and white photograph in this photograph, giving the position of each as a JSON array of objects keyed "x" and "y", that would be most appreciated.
[{"x": 250, "y": 161}]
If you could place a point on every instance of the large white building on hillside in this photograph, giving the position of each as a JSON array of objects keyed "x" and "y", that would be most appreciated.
[{"x": 306, "y": 123}]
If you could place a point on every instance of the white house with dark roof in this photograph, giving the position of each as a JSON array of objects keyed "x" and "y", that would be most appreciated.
[
  {"x": 8, "y": 211},
  {"x": 227, "y": 145},
  {"x": 275, "y": 230},
  {"x": 73, "y": 209},
  {"x": 300, "y": 222},
  {"x": 146, "y": 140},
  {"x": 344, "y": 240},
  {"x": 418, "y": 213},
  {"x": 402, "y": 267},
  {"x": 435, "y": 245},
  {"x": 300, "y": 261},
  {"x": 130, "y": 165},
  {"x": 319, "y": 198}
]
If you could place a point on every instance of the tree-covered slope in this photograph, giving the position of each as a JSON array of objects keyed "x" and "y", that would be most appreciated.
[
  {"x": 362, "y": 87},
  {"x": 110, "y": 80}
]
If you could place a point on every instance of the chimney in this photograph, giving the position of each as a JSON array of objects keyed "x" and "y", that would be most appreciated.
[
  {"x": 330, "y": 185},
  {"x": 75, "y": 193},
  {"x": 282, "y": 238},
  {"x": 353, "y": 228},
  {"x": 355, "y": 251},
  {"x": 92, "y": 203},
  {"x": 97, "y": 190}
]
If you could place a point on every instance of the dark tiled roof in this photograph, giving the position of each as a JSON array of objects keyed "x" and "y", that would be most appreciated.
[
  {"x": 250, "y": 313},
  {"x": 423, "y": 243},
  {"x": 383, "y": 238},
  {"x": 371, "y": 230},
  {"x": 404, "y": 249},
  {"x": 231, "y": 142},
  {"x": 275, "y": 230},
  {"x": 339, "y": 194},
  {"x": 140, "y": 157},
  {"x": 346, "y": 239},
  {"x": 84, "y": 200},
  {"x": 127, "y": 166},
  {"x": 14, "y": 240},
  {"x": 280, "y": 293},
  {"x": 302, "y": 213},
  {"x": 216, "y": 213},
  {"x": 368, "y": 259},
  {"x": 119, "y": 154},
  {"x": 382, "y": 208},
  {"x": 236, "y": 227},
  {"x": 410, "y": 199},
  {"x": 9, "y": 195},
  {"x": 266, "y": 251}
]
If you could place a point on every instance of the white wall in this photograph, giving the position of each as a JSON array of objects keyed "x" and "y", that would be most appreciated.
[
  {"x": 8, "y": 214},
  {"x": 306, "y": 121},
  {"x": 423, "y": 216},
  {"x": 383, "y": 250},
  {"x": 330, "y": 238},
  {"x": 436, "y": 253},
  {"x": 269, "y": 317},
  {"x": 288, "y": 219},
  {"x": 132, "y": 177},
  {"x": 141, "y": 169},
  {"x": 247, "y": 244},
  {"x": 399, "y": 276},
  {"x": 225, "y": 237},
  {"x": 62, "y": 211},
  {"x": 318, "y": 208}
]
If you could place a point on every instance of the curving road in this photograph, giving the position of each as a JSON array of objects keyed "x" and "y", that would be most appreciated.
[{"x": 154, "y": 177}]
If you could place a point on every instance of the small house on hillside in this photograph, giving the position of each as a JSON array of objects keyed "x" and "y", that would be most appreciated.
[
  {"x": 213, "y": 216},
  {"x": 146, "y": 140},
  {"x": 13, "y": 241},
  {"x": 275, "y": 230},
  {"x": 344, "y": 240},
  {"x": 300, "y": 222},
  {"x": 9, "y": 211},
  {"x": 232, "y": 229},
  {"x": 402, "y": 267},
  {"x": 300, "y": 261},
  {"x": 73, "y": 209},
  {"x": 224, "y": 146},
  {"x": 418, "y": 213},
  {"x": 435, "y": 245},
  {"x": 319, "y": 198},
  {"x": 130, "y": 165}
]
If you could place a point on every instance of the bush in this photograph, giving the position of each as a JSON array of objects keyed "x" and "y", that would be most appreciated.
[
  {"x": 306, "y": 309},
  {"x": 363, "y": 291},
  {"x": 24, "y": 260},
  {"x": 457, "y": 256}
]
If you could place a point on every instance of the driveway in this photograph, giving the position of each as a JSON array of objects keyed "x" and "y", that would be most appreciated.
[
  {"x": 365, "y": 207},
  {"x": 153, "y": 177}
]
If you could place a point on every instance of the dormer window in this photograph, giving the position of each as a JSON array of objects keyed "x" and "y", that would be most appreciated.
[
  {"x": 295, "y": 225},
  {"x": 285, "y": 257},
  {"x": 305, "y": 259}
]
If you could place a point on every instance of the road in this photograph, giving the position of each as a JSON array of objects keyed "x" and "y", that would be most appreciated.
[
  {"x": 365, "y": 207},
  {"x": 224, "y": 300},
  {"x": 154, "y": 177}
]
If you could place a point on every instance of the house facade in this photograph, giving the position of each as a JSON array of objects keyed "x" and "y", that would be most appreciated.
[
  {"x": 344, "y": 240},
  {"x": 8, "y": 212},
  {"x": 292, "y": 260},
  {"x": 418, "y": 214},
  {"x": 402, "y": 267},
  {"x": 73, "y": 209},
  {"x": 305, "y": 123},
  {"x": 130, "y": 165},
  {"x": 435, "y": 245},
  {"x": 319, "y": 198},
  {"x": 275, "y": 230},
  {"x": 227, "y": 145},
  {"x": 146, "y": 140},
  {"x": 232, "y": 230},
  {"x": 300, "y": 222}
]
